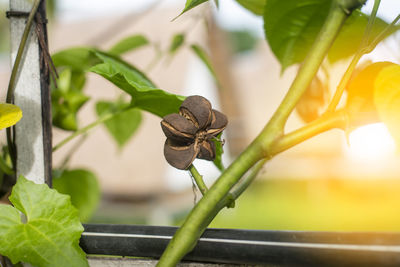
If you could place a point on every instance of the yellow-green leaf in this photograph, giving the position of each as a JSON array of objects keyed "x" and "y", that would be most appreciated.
[
  {"x": 9, "y": 115},
  {"x": 360, "y": 91},
  {"x": 387, "y": 98},
  {"x": 360, "y": 95}
]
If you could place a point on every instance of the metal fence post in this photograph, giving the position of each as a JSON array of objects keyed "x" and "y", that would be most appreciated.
[{"x": 33, "y": 133}]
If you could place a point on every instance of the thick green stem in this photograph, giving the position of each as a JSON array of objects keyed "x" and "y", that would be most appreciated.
[
  {"x": 198, "y": 178},
  {"x": 246, "y": 181},
  {"x": 186, "y": 237},
  {"x": 237, "y": 191},
  {"x": 14, "y": 72}
]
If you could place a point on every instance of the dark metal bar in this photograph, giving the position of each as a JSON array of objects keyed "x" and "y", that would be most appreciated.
[
  {"x": 45, "y": 91},
  {"x": 282, "y": 248}
]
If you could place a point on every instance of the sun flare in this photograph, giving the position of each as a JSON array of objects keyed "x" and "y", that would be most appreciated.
[{"x": 371, "y": 142}]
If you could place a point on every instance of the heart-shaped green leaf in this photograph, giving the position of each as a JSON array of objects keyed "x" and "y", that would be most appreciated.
[
  {"x": 50, "y": 236},
  {"x": 144, "y": 93},
  {"x": 123, "y": 125},
  {"x": 9, "y": 115},
  {"x": 84, "y": 189},
  {"x": 387, "y": 98}
]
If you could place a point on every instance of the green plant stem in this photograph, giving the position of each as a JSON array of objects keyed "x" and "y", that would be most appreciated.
[
  {"x": 198, "y": 178},
  {"x": 67, "y": 158},
  {"x": 240, "y": 187},
  {"x": 5, "y": 168},
  {"x": 86, "y": 128},
  {"x": 370, "y": 24},
  {"x": 237, "y": 191},
  {"x": 382, "y": 35},
  {"x": 360, "y": 52},
  {"x": 14, "y": 72},
  {"x": 186, "y": 237},
  {"x": 338, "y": 119},
  {"x": 343, "y": 83}
]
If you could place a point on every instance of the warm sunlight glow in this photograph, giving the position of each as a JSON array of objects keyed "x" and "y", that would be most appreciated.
[{"x": 371, "y": 142}]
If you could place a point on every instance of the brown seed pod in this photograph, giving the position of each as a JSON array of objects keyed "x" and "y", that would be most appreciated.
[
  {"x": 178, "y": 155},
  {"x": 218, "y": 122},
  {"x": 207, "y": 150},
  {"x": 178, "y": 128},
  {"x": 190, "y": 133},
  {"x": 197, "y": 109}
]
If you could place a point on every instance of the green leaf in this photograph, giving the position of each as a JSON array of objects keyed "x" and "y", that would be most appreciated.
[
  {"x": 255, "y": 6},
  {"x": 387, "y": 98},
  {"x": 191, "y": 4},
  {"x": 67, "y": 99},
  {"x": 291, "y": 27},
  {"x": 218, "y": 153},
  {"x": 144, "y": 93},
  {"x": 83, "y": 188},
  {"x": 349, "y": 38},
  {"x": 77, "y": 58},
  {"x": 123, "y": 125},
  {"x": 9, "y": 115},
  {"x": 202, "y": 55},
  {"x": 176, "y": 43},
  {"x": 242, "y": 41},
  {"x": 128, "y": 44},
  {"x": 50, "y": 236}
]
